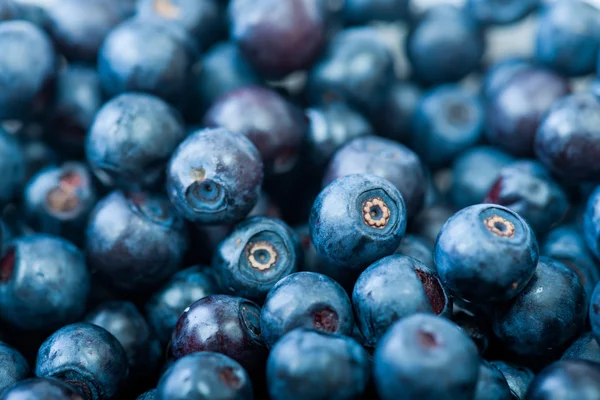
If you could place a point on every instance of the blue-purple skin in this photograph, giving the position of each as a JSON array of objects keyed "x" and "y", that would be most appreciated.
[
  {"x": 128, "y": 326},
  {"x": 386, "y": 159},
  {"x": 215, "y": 176},
  {"x": 41, "y": 388},
  {"x": 131, "y": 140},
  {"x": 356, "y": 220},
  {"x": 568, "y": 37},
  {"x": 444, "y": 45},
  {"x": 568, "y": 139},
  {"x": 12, "y": 167},
  {"x": 149, "y": 395},
  {"x": 475, "y": 325},
  {"x": 500, "y": 73},
  {"x": 584, "y": 348},
  {"x": 44, "y": 283},
  {"x": 361, "y": 12},
  {"x": 135, "y": 241},
  {"x": 515, "y": 111},
  {"x": 58, "y": 200},
  {"x": 527, "y": 188},
  {"x": 274, "y": 125},
  {"x": 223, "y": 324},
  {"x": 28, "y": 66},
  {"x": 448, "y": 120},
  {"x": 500, "y": 12},
  {"x": 305, "y": 300},
  {"x": 393, "y": 288},
  {"x": 205, "y": 375},
  {"x": 264, "y": 30},
  {"x": 255, "y": 256},
  {"x": 168, "y": 303},
  {"x": 417, "y": 247},
  {"x": 491, "y": 384},
  {"x": 594, "y": 312},
  {"x": 474, "y": 172},
  {"x": 417, "y": 359},
  {"x": 518, "y": 378},
  {"x": 13, "y": 366},
  {"x": 87, "y": 356},
  {"x": 486, "y": 253},
  {"x": 591, "y": 223},
  {"x": 568, "y": 380},
  {"x": 128, "y": 60},
  {"x": 430, "y": 220},
  {"x": 547, "y": 314},
  {"x": 333, "y": 79},
  {"x": 305, "y": 364}
]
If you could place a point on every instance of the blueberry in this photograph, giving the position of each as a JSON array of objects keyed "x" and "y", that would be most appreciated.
[
  {"x": 567, "y": 379},
  {"x": 386, "y": 159},
  {"x": 527, "y": 188},
  {"x": 265, "y": 29},
  {"x": 516, "y": 110},
  {"x": 546, "y": 315},
  {"x": 474, "y": 172},
  {"x": 475, "y": 325},
  {"x": 518, "y": 378},
  {"x": 418, "y": 358},
  {"x": 567, "y": 140},
  {"x": 58, "y": 200},
  {"x": 594, "y": 312},
  {"x": 9, "y": 10},
  {"x": 501, "y": 12},
  {"x": 417, "y": 247},
  {"x": 12, "y": 166},
  {"x": 306, "y": 365},
  {"x": 447, "y": 121},
  {"x": 27, "y": 68},
  {"x": 41, "y": 388},
  {"x": 223, "y": 324},
  {"x": 275, "y": 126},
  {"x": 592, "y": 222},
  {"x": 13, "y": 366},
  {"x": 305, "y": 300},
  {"x": 44, "y": 283},
  {"x": 501, "y": 72},
  {"x": 87, "y": 357},
  {"x": 393, "y": 288},
  {"x": 149, "y": 395},
  {"x": 214, "y": 176},
  {"x": 584, "y": 348},
  {"x": 444, "y": 45},
  {"x": 486, "y": 253},
  {"x": 131, "y": 140},
  {"x": 360, "y": 12},
  {"x": 491, "y": 384},
  {"x": 205, "y": 375},
  {"x": 135, "y": 241},
  {"x": 169, "y": 302},
  {"x": 258, "y": 253}
]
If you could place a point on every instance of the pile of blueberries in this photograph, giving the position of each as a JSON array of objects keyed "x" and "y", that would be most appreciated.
[{"x": 298, "y": 200}]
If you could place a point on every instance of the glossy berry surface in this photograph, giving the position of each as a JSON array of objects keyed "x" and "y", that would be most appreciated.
[
  {"x": 13, "y": 366},
  {"x": 577, "y": 379},
  {"x": 518, "y": 378},
  {"x": 500, "y": 12},
  {"x": 41, "y": 388},
  {"x": 491, "y": 384},
  {"x": 584, "y": 348}
]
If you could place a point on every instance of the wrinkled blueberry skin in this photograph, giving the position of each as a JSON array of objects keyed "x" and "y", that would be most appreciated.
[
  {"x": 86, "y": 355},
  {"x": 417, "y": 247},
  {"x": 58, "y": 200},
  {"x": 447, "y": 121},
  {"x": 168, "y": 303},
  {"x": 13, "y": 366},
  {"x": 514, "y": 112},
  {"x": 500, "y": 12},
  {"x": 584, "y": 348},
  {"x": 223, "y": 324},
  {"x": 307, "y": 365},
  {"x": 568, "y": 140},
  {"x": 386, "y": 159},
  {"x": 546, "y": 315},
  {"x": 27, "y": 68},
  {"x": 135, "y": 241},
  {"x": 393, "y": 288},
  {"x": 500, "y": 73},
  {"x": 491, "y": 384},
  {"x": 12, "y": 167},
  {"x": 44, "y": 283},
  {"x": 275, "y": 126},
  {"x": 205, "y": 375},
  {"x": 518, "y": 378},
  {"x": 527, "y": 188},
  {"x": 360, "y": 12},
  {"x": 486, "y": 261},
  {"x": 149, "y": 395},
  {"x": 41, "y": 388},
  {"x": 128, "y": 60},
  {"x": 131, "y": 139},
  {"x": 568, "y": 37},
  {"x": 444, "y": 45},
  {"x": 237, "y": 262},
  {"x": 417, "y": 359},
  {"x": 333, "y": 78},
  {"x": 594, "y": 312},
  {"x": 214, "y": 177},
  {"x": 264, "y": 29},
  {"x": 340, "y": 229},
  {"x": 128, "y": 326},
  {"x": 305, "y": 300},
  {"x": 474, "y": 172},
  {"x": 567, "y": 379}
]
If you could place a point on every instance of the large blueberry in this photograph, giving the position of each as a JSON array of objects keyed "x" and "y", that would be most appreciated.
[
  {"x": 567, "y": 380},
  {"x": 518, "y": 378},
  {"x": 13, "y": 366},
  {"x": 500, "y": 12},
  {"x": 491, "y": 384},
  {"x": 12, "y": 167},
  {"x": 584, "y": 348},
  {"x": 41, "y": 388}
]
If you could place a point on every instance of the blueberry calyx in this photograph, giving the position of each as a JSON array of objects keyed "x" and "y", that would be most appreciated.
[
  {"x": 376, "y": 213},
  {"x": 500, "y": 226},
  {"x": 261, "y": 255}
]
